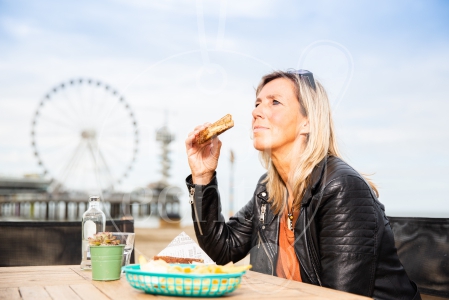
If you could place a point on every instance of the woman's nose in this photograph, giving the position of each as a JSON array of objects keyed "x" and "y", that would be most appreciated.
[{"x": 258, "y": 111}]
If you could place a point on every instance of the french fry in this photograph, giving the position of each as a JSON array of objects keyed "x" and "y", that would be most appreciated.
[
  {"x": 142, "y": 260},
  {"x": 161, "y": 266},
  {"x": 237, "y": 269}
]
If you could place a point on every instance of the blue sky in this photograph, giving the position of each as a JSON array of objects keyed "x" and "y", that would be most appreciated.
[{"x": 385, "y": 65}]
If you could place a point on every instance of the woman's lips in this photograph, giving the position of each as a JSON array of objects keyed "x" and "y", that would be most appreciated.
[{"x": 259, "y": 128}]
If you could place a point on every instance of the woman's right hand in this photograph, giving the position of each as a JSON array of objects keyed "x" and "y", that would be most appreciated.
[{"x": 203, "y": 159}]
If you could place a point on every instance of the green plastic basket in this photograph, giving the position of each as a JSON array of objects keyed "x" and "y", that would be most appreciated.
[{"x": 190, "y": 285}]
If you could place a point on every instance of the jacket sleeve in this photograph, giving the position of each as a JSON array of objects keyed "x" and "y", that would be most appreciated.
[
  {"x": 222, "y": 241},
  {"x": 347, "y": 227}
]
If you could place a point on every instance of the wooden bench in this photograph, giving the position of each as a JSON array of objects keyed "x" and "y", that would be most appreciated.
[
  {"x": 47, "y": 243},
  {"x": 423, "y": 248}
]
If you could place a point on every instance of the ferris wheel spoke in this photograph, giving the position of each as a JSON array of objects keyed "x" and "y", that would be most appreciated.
[
  {"x": 116, "y": 142},
  {"x": 115, "y": 155},
  {"x": 106, "y": 168},
  {"x": 80, "y": 100},
  {"x": 118, "y": 121},
  {"x": 118, "y": 160},
  {"x": 104, "y": 120},
  {"x": 66, "y": 114},
  {"x": 116, "y": 145},
  {"x": 59, "y": 122},
  {"x": 74, "y": 107},
  {"x": 77, "y": 102},
  {"x": 100, "y": 162},
  {"x": 114, "y": 123},
  {"x": 108, "y": 110},
  {"x": 122, "y": 139},
  {"x": 72, "y": 162},
  {"x": 94, "y": 105},
  {"x": 56, "y": 134},
  {"x": 59, "y": 146},
  {"x": 57, "y": 161},
  {"x": 92, "y": 102},
  {"x": 121, "y": 135},
  {"x": 101, "y": 110},
  {"x": 117, "y": 135},
  {"x": 65, "y": 103}
]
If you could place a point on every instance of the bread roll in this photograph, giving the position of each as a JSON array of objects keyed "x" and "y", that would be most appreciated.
[{"x": 216, "y": 128}]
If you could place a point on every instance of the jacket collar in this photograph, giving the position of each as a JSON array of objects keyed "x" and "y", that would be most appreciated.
[
  {"x": 316, "y": 178},
  {"x": 263, "y": 195}
]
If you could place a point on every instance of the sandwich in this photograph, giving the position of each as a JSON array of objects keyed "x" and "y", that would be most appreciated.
[
  {"x": 178, "y": 260},
  {"x": 215, "y": 129}
]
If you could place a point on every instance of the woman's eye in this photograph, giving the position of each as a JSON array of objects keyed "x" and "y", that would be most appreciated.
[
  {"x": 257, "y": 104},
  {"x": 275, "y": 102}
]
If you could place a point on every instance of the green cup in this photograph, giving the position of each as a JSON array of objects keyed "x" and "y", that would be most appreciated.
[
  {"x": 105, "y": 257},
  {"x": 106, "y": 262}
]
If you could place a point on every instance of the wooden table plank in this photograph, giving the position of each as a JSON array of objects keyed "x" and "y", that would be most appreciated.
[
  {"x": 121, "y": 290},
  {"x": 62, "y": 292},
  {"x": 264, "y": 291},
  {"x": 34, "y": 293},
  {"x": 279, "y": 285},
  {"x": 117, "y": 289},
  {"x": 38, "y": 276},
  {"x": 87, "y": 291},
  {"x": 9, "y": 294}
]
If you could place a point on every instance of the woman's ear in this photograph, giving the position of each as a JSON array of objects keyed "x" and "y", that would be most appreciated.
[{"x": 304, "y": 127}]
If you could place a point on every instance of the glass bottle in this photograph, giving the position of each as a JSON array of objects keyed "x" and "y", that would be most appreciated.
[{"x": 93, "y": 221}]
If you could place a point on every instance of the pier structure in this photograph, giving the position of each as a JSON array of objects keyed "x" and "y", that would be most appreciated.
[{"x": 28, "y": 199}]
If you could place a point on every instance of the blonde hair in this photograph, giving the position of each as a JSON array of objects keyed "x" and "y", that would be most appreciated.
[{"x": 321, "y": 141}]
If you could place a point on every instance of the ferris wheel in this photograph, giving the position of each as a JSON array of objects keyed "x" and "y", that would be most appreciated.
[{"x": 84, "y": 136}]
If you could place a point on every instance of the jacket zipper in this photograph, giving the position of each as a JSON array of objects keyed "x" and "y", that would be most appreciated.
[
  {"x": 262, "y": 221},
  {"x": 262, "y": 214},
  {"x": 192, "y": 202},
  {"x": 314, "y": 266},
  {"x": 266, "y": 252},
  {"x": 309, "y": 245}
]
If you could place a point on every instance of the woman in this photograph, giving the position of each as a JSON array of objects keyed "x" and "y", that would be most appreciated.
[{"x": 312, "y": 217}]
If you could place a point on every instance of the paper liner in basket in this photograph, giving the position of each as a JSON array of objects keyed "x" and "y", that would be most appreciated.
[{"x": 183, "y": 246}]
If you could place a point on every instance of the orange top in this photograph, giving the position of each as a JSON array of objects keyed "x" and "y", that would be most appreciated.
[{"x": 287, "y": 264}]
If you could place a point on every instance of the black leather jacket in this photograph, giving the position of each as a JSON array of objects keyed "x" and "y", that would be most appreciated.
[{"x": 343, "y": 238}]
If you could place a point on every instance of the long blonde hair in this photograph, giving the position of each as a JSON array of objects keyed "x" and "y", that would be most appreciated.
[{"x": 321, "y": 141}]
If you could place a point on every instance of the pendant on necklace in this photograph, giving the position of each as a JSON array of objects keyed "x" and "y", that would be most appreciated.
[{"x": 290, "y": 221}]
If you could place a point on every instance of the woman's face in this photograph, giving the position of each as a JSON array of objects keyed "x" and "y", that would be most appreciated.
[{"x": 277, "y": 121}]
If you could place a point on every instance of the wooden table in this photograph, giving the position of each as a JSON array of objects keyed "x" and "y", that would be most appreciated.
[{"x": 70, "y": 282}]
